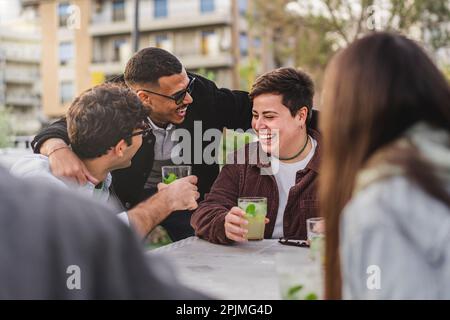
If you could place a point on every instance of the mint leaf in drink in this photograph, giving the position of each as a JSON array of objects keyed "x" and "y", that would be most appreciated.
[
  {"x": 251, "y": 209},
  {"x": 170, "y": 178},
  {"x": 311, "y": 296},
  {"x": 293, "y": 291}
]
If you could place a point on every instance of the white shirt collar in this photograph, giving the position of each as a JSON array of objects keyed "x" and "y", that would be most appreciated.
[
  {"x": 106, "y": 184},
  {"x": 156, "y": 128}
]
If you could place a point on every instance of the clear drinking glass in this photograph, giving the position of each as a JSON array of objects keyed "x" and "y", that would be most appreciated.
[
  {"x": 172, "y": 173},
  {"x": 298, "y": 277},
  {"x": 316, "y": 236},
  {"x": 255, "y": 213}
]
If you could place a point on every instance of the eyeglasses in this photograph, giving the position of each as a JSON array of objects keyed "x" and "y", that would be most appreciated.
[
  {"x": 146, "y": 129},
  {"x": 295, "y": 243},
  {"x": 179, "y": 96}
]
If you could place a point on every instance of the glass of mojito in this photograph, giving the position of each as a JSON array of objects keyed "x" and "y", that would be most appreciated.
[
  {"x": 316, "y": 236},
  {"x": 172, "y": 173},
  {"x": 255, "y": 213}
]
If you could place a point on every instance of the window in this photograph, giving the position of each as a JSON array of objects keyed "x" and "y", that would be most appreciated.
[
  {"x": 66, "y": 91},
  {"x": 117, "y": 44},
  {"x": 243, "y": 44},
  {"x": 66, "y": 53},
  {"x": 160, "y": 8},
  {"x": 207, "y": 45},
  {"x": 118, "y": 10},
  {"x": 161, "y": 40},
  {"x": 242, "y": 4},
  {"x": 257, "y": 42},
  {"x": 206, "y": 6},
  {"x": 63, "y": 13},
  {"x": 98, "y": 6}
]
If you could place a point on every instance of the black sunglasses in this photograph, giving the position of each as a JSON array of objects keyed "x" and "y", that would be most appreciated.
[
  {"x": 179, "y": 96},
  {"x": 146, "y": 129},
  {"x": 295, "y": 243}
]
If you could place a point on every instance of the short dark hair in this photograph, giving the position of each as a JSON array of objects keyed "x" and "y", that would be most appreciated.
[
  {"x": 100, "y": 117},
  {"x": 150, "y": 64},
  {"x": 118, "y": 80},
  {"x": 295, "y": 87}
]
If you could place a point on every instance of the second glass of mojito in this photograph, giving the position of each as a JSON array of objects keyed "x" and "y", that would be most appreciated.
[
  {"x": 172, "y": 173},
  {"x": 255, "y": 209}
]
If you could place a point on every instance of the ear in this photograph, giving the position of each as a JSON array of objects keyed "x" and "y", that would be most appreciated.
[
  {"x": 302, "y": 115},
  {"x": 144, "y": 97},
  {"x": 120, "y": 148}
]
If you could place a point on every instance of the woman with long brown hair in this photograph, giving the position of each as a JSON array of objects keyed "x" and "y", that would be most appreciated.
[{"x": 385, "y": 174}]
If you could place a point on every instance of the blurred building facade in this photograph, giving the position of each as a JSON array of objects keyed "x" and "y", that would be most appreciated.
[
  {"x": 85, "y": 42},
  {"x": 20, "y": 85}
]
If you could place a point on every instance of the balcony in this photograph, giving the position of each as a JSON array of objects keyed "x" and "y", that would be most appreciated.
[
  {"x": 103, "y": 27},
  {"x": 191, "y": 21},
  {"x": 20, "y": 55},
  {"x": 207, "y": 61},
  {"x": 22, "y": 100},
  {"x": 107, "y": 68},
  {"x": 21, "y": 77}
]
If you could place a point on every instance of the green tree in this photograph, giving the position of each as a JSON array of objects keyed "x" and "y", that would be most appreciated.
[
  {"x": 305, "y": 33},
  {"x": 208, "y": 74},
  {"x": 248, "y": 73}
]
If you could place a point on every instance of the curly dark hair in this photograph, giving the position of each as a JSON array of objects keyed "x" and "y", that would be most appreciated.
[
  {"x": 100, "y": 117},
  {"x": 295, "y": 86}
]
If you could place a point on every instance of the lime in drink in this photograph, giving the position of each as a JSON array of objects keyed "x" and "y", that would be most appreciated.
[
  {"x": 255, "y": 213},
  {"x": 172, "y": 173},
  {"x": 298, "y": 277}
]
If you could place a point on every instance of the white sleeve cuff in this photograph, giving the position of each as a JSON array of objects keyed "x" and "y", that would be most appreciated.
[{"x": 123, "y": 216}]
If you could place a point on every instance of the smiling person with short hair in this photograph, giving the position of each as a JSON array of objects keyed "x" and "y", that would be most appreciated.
[{"x": 282, "y": 107}]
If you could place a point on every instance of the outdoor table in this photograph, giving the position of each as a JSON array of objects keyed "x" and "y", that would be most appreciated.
[{"x": 239, "y": 271}]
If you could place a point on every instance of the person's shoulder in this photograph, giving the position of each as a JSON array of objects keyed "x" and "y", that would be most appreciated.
[
  {"x": 395, "y": 203},
  {"x": 45, "y": 203},
  {"x": 367, "y": 207},
  {"x": 35, "y": 166},
  {"x": 29, "y": 163}
]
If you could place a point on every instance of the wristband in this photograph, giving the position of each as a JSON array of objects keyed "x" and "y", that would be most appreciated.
[{"x": 56, "y": 149}]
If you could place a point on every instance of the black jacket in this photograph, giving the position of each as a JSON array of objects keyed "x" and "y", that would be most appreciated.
[{"x": 214, "y": 107}]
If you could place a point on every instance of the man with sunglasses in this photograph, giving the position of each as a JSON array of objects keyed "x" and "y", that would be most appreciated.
[{"x": 108, "y": 145}]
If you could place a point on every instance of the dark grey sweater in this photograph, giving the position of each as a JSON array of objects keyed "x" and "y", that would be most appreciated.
[{"x": 43, "y": 231}]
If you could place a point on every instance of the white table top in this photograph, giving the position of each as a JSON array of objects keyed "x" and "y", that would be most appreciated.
[{"x": 239, "y": 271}]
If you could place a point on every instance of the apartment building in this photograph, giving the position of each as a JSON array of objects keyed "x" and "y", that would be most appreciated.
[
  {"x": 20, "y": 86},
  {"x": 88, "y": 41}
]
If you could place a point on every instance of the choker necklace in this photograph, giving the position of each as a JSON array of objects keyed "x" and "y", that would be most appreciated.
[{"x": 295, "y": 156}]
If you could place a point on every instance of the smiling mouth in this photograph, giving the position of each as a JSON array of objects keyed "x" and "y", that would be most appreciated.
[
  {"x": 181, "y": 111},
  {"x": 266, "y": 136}
]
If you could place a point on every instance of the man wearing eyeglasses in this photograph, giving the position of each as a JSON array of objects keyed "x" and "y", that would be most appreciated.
[
  {"x": 175, "y": 99},
  {"x": 108, "y": 145}
]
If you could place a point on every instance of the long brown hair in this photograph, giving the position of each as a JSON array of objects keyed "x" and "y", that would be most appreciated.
[{"x": 374, "y": 90}]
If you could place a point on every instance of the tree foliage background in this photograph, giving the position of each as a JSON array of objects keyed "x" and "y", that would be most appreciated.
[{"x": 306, "y": 33}]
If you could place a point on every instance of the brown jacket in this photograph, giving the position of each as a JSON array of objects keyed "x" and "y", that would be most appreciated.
[{"x": 246, "y": 180}]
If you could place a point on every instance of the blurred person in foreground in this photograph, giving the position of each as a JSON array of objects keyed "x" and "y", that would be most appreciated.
[
  {"x": 106, "y": 126},
  {"x": 48, "y": 235},
  {"x": 282, "y": 107},
  {"x": 385, "y": 176}
]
